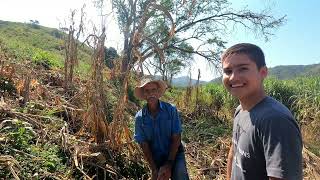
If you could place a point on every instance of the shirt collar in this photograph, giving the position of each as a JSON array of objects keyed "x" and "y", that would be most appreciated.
[{"x": 161, "y": 105}]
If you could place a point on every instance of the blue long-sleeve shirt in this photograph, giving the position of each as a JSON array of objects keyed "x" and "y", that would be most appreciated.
[{"x": 159, "y": 130}]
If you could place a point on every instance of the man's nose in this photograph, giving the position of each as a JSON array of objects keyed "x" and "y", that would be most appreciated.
[{"x": 233, "y": 76}]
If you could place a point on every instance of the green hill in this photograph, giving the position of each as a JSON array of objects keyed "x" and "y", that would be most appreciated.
[
  {"x": 34, "y": 42},
  {"x": 292, "y": 71}
]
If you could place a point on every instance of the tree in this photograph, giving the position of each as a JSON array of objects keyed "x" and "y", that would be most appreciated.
[
  {"x": 153, "y": 27},
  {"x": 110, "y": 54},
  {"x": 175, "y": 61},
  {"x": 34, "y": 24}
]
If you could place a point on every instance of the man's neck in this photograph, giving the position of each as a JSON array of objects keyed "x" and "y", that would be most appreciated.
[
  {"x": 153, "y": 108},
  {"x": 249, "y": 102}
]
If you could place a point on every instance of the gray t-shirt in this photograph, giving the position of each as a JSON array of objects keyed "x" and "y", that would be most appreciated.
[{"x": 267, "y": 143}]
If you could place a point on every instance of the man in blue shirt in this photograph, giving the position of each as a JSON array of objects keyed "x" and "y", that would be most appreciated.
[{"x": 158, "y": 132}]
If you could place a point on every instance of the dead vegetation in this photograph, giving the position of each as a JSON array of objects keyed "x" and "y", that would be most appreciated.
[{"x": 59, "y": 119}]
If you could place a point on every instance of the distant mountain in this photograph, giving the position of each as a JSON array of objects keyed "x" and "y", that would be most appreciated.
[
  {"x": 289, "y": 71},
  {"x": 292, "y": 71},
  {"x": 183, "y": 81}
]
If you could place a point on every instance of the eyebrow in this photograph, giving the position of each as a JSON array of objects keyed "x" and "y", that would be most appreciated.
[{"x": 238, "y": 65}]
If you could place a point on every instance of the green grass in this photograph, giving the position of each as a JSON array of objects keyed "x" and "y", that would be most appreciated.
[
  {"x": 40, "y": 45},
  {"x": 204, "y": 130},
  {"x": 36, "y": 158}
]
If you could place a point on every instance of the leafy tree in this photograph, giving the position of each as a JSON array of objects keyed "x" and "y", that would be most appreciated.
[
  {"x": 175, "y": 61},
  {"x": 110, "y": 54},
  {"x": 153, "y": 27},
  {"x": 34, "y": 24}
]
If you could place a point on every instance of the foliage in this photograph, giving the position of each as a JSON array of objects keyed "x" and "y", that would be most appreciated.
[
  {"x": 35, "y": 24},
  {"x": 37, "y": 159},
  {"x": 45, "y": 58},
  {"x": 294, "y": 71},
  {"x": 7, "y": 86},
  {"x": 283, "y": 91},
  {"x": 110, "y": 54},
  {"x": 44, "y": 44},
  {"x": 130, "y": 168},
  {"x": 205, "y": 130},
  {"x": 153, "y": 28}
]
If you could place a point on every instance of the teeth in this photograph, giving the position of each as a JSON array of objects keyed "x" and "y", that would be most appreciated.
[{"x": 236, "y": 85}]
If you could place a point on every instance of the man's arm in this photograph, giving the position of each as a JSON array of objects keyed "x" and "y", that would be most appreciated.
[
  {"x": 282, "y": 145},
  {"x": 175, "y": 143},
  {"x": 148, "y": 157},
  {"x": 229, "y": 162},
  {"x": 165, "y": 170}
]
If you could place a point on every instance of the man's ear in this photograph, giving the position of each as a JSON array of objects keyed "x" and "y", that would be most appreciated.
[{"x": 263, "y": 72}]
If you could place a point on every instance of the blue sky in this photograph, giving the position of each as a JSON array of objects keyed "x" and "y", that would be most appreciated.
[
  {"x": 297, "y": 42},
  {"x": 294, "y": 43}
]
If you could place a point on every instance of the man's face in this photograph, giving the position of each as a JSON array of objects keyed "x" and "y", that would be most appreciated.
[
  {"x": 151, "y": 93},
  {"x": 241, "y": 76}
]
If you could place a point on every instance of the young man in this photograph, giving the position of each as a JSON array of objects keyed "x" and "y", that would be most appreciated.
[
  {"x": 266, "y": 142},
  {"x": 158, "y": 132}
]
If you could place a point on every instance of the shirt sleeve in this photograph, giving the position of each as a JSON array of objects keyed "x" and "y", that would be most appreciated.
[
  {"x": 176, "y": 123},
  {"x": 282, "y": 144},
  {"x": 139, "y": 136}
]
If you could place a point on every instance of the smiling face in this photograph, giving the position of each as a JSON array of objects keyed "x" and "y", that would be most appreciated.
[
  {"x": 151, "y": 93},
  {"x": 241, "y": 76}
]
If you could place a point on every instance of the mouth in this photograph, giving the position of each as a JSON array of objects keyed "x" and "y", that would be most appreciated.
[
  {"x": 238, "y": 85},
  {"x": 150, "y": 98}
]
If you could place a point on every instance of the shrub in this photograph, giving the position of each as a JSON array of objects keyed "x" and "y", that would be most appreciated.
[
  {"x": 7, "y": 86},
  {"x": 281, "y": 90},
  {"x": 45, "y": 58}
]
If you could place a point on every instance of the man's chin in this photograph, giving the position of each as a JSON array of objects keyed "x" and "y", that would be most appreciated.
[
  {"x": 152, "y": 100},
  {"x": 237, "y": 94}
]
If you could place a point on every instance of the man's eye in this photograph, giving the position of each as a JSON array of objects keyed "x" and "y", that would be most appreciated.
[
  {"x": 243, "y": 69},
  {"x": 227, "y": 71}
]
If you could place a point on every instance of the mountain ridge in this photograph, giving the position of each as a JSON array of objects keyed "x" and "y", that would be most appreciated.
[{"x": 284, "y": 72}]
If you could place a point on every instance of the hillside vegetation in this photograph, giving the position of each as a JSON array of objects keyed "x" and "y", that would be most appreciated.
[
  {"x": 45, "y": 133},
  {"x": 293, "y": 71},
  {"x": 39, "y": 44}
]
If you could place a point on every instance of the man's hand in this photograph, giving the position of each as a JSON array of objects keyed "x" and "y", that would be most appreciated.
[{"x": 165, "y": 172}]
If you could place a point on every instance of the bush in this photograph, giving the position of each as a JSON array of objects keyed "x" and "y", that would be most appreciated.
[
  {"x": 7, "y": 86},
  {"x": 45, "y": 59},
  {"x": 35, "y": 159}
]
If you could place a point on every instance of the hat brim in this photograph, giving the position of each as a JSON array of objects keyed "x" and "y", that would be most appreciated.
[{"x": 138, "y": 91}]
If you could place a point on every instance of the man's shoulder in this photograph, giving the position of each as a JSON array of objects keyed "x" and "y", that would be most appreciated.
[
  {"x": 271, "y": 108},
  {"x": 273, "y": 113},
  {"x": 167, "y": 105}
]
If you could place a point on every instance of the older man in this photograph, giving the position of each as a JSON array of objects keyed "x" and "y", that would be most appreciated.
[{"x": 158, "y": 132}]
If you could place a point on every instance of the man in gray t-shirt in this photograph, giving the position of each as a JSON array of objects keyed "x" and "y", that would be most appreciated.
[{"x": 266, "y": 142}]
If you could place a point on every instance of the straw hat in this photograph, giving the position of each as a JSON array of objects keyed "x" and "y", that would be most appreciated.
[{"x": 138, "y": 91}]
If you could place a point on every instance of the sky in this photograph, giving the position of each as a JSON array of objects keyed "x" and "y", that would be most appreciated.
[{"x": 297, "y": 42}]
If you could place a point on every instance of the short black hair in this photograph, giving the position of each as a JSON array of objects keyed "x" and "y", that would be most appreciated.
[{"x": 254, "y": 52}]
